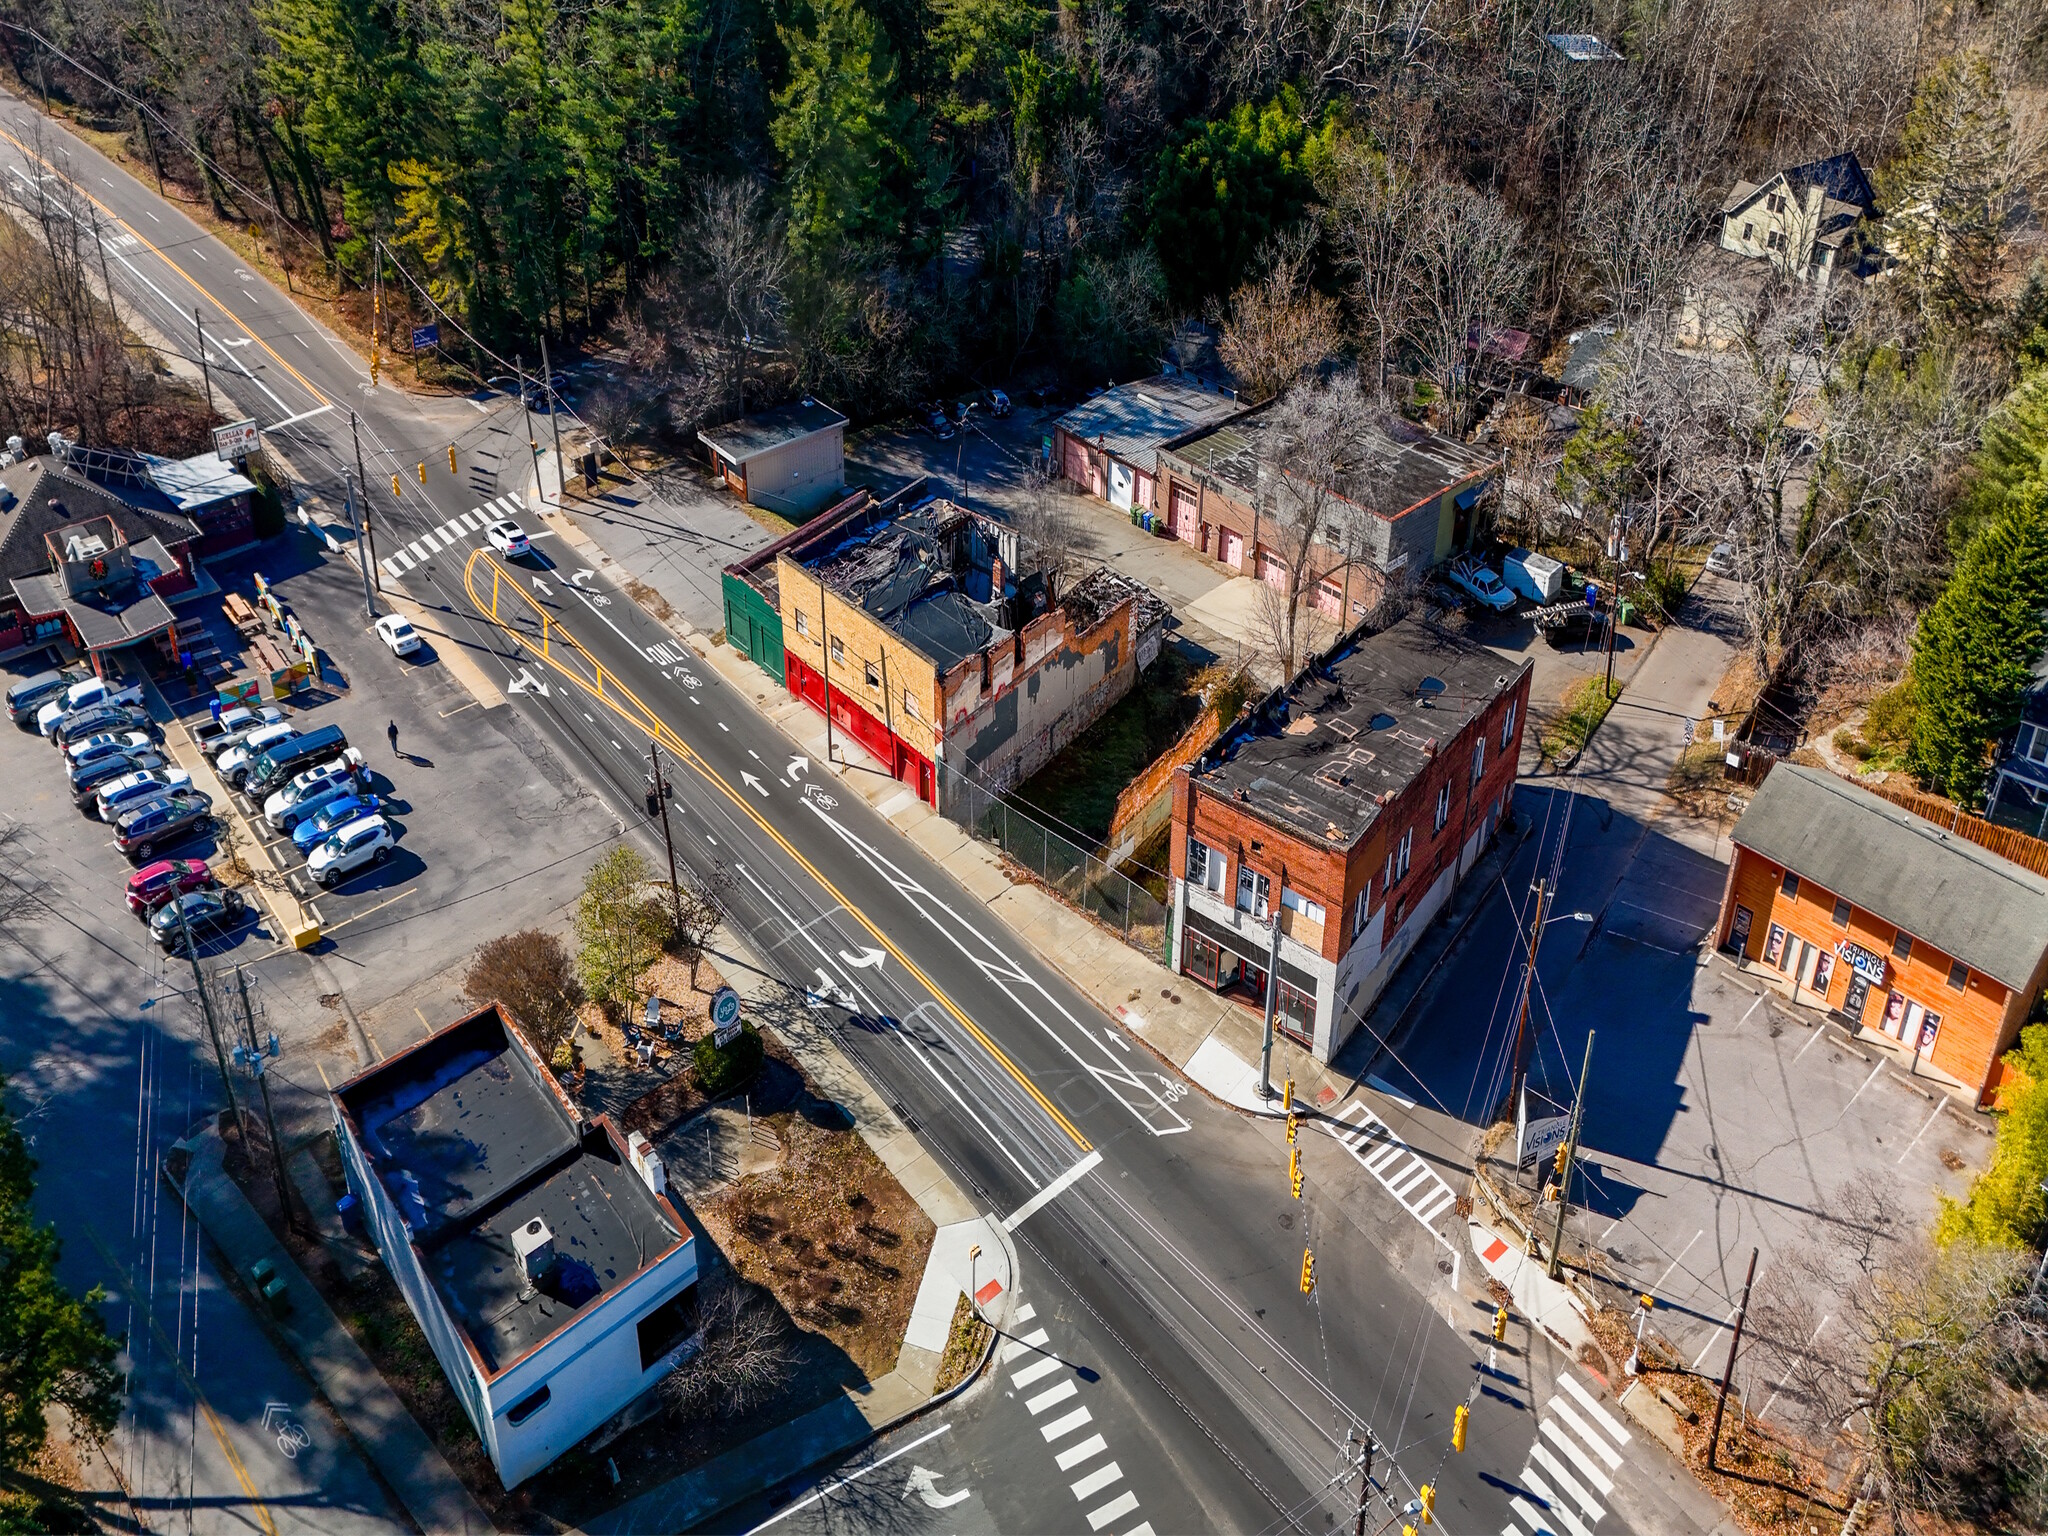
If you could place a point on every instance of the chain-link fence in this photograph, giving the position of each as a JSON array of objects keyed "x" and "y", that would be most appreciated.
[{"x": 1072, "y": 873}]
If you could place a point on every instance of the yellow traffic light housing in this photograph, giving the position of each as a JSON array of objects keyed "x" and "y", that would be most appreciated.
[
  {"x": 423, "y": 471},
  {"x": 1458, "y": 1427},
  {"x": 1294, "y": 1170},
  {"x": 397, "y": 485},
  {"x": 1308, "y": 1270},
  {"x": 1564, "y": 1155},
  {"x": 1429, "y": 1503},
  {"x": 1500, "y": 1325},
  {"x": 1293, "y": 1127},
  {"x": 451, "y": 458},
  {"x": 1287, "y": 1097}
]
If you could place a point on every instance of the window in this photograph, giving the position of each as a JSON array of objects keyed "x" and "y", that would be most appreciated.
[
  {"x": 1841, "y": 913},
  {"x": 1777, "y": 241},
  {"x": 1295, "y": 902},
  {"x": 1748, "y": 233},
  {"x": 1358, "y": 911},
  {"x": 1205, "y": 865},
  {"x": 873, "y": 674},
  {"x": 2033, "y": 743},
  {"x": 1478, "y": 761},
  {"x": 1254, "y": 891},
  {"x": 1402, "y": 851},
  {"x": 803, "y": 622},
  {"x": 1790, "y": 886},
  {"x": 1775, "y": 203},
  {"x": 1507, "y": 725},
  {"x": 1204, "y": 961},
  {"x": 1294, "y": 1013},
  {"x": 910, "y": 704},
  {"x": 667, "y": 1326},
  {"x": 1774, "y": 947},
  {"x": 528, "y": 1406},
  {"x": 838, "y": 651},
  {"x": 1443, "y": 807},
  {"x": 1958, "y": 975},
  {"x": 1902, "y": 948}
]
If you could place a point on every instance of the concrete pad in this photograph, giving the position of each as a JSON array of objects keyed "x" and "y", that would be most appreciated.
[
  {"x": 939, "y": 838},
  {"x": 1548, "y": 1303},
  {"x": 1230, "y": 608},
  {"x": 1218, "y": 1070}
]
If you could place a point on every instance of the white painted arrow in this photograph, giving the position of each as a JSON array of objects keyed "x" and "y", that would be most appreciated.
[
  {"x": 867, "y": 959},
  {"x": 799, "y": 766},
  {"x": 582, "y": 576},
  {"x": 540, "y": 586},
  {"x": 826, "y": 992},
  {"x": 273, "y": 1411},
  {"x": 526, "y": 682},
  {"x": 923, "y": 1482},
  {"x": 755, "y": 784}
]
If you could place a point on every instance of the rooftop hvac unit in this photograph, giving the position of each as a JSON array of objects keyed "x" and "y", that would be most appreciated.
[{"x": 534, "y": 1245}]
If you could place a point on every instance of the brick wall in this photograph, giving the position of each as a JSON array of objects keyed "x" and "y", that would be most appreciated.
[
  {"x": 862, "y": 641},
  {"x": 1979, "y": 1022}
]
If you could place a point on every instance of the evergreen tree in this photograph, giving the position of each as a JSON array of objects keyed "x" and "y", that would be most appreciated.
[
  {"x": 1948, "y": 192},
  {"x": 1976, "y": 647},
  {"x": 2009, "y": 453},
  {"x": 840, "y": 128}
]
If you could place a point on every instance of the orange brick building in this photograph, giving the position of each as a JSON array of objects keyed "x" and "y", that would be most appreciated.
[{"x": 1848, "y": 902}]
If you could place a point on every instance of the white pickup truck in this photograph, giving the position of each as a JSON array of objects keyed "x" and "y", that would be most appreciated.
[{"x": 86, "y": 695}]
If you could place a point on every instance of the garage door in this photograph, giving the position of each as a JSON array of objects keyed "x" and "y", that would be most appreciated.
[
  {"x": 1075, "y": 464},
  {"x": 1185, "y": 514}
]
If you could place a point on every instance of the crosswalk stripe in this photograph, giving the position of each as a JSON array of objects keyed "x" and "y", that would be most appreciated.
[
  {"x": 1435, "y": 1208},
  {"x": 415, "y": 551},
  {"x": 1565, "y": 1411},
  {"x": 433, "y": 545},
  {"x": 1539, "y": 1452},
  {"x": 1577, "y": 1457},
  {"x": 1017, "y": 1347},
  {"x": 1592, "y": 1405},
  {"x": 507, "y": 505},
  {"x": 1535, "y": 1521},
  {"x": 1558, "y": 1509},
  {"x": 1066, "y": 1424},
  {"x": 1073, "y": 1456},
  {"x": 1050, "y": 1396},
  {"x": 1140, "y": 1530},
  {"x": 1038, "y": 1370},
  {"x": 1385, "y": 1156},
  {"x": 1410, "y": 1177},
  {"x": 1115, "y": 1509},
  {"x": 392, "y": 568},
  {"x": 1024, "y": 1314},
  {"x": 450, "y": 531},
  {"x": 1097, "y": 1480},
  {"x": 470, "y": 522}
]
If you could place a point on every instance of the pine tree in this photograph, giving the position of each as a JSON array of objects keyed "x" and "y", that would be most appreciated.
[
  {"x": 840, "y": 128},
  {"x": 1948, "y": 192}
]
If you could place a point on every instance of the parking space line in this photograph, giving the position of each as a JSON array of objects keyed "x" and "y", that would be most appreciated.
[
  {"x": 1921, "y": 1132},
  {"x": 356, "y": 917}
]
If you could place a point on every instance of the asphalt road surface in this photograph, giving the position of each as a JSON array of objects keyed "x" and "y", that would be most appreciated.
[{"x": 1160, "y": 1240}]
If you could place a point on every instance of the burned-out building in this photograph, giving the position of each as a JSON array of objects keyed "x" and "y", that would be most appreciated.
[{"x": 914, "y": 630}]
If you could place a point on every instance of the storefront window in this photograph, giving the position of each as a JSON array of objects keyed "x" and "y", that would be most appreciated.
[
  {"x": 1202, "y": 960},
  {"x": 1823, "y": 972},
  {"x": 1894, "y": 1013},
  {"x": 1774, "y": 947},
  {"x": 1294, "y": 1014},
  {"x": 1930, "y": 1026}
]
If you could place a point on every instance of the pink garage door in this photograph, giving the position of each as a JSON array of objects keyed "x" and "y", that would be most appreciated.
[
  {"x": 1185, "y": 516},
  {"x": 1233, "y": 549},
  {"x": 1075, "y": 465}
]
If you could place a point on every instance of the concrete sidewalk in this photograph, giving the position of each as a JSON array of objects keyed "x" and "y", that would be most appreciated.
[{"x": 403, "y": 1454}]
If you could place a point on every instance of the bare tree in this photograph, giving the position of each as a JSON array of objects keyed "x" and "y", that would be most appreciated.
[
  {"x": 1473, "y": 268},
  {"x": 1635, "y": 212},
  {"x": 734, "y": 239},
  {"x": 1278, "y": 329},
  {"x": 1049, "y": 525},
  {"x": 744, "y": 1357},
  {"x": 1375, "y": 219},
  {"x": 534, "y": 975},
  {"x": 695, "y": 917},
  {"x": 1851, "y": 79}
]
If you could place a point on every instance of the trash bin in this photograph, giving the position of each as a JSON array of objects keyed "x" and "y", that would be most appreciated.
[
  {"x": 1625, "y": 611},
  {"x": 1137, "y": 517}
]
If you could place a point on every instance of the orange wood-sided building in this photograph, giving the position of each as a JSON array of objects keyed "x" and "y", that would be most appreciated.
[{"x": 1847, "y": 902}]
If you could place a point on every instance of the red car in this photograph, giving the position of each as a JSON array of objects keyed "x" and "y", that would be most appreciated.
[{"x": 154, "y": 884}]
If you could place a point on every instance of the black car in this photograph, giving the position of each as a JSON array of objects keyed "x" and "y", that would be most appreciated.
[
  {"x": 32, "y": 693},
  {"x": 102, "y": 717},
  {"x": 201, "y": 913},
  {"x": 163, "y": 822},
  {"x": 88, "y": 778}
]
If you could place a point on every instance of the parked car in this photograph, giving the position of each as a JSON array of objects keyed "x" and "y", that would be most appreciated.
[
  {"x": 87, "y": 780},
  {"x": 998, "y": 403},
  {"x": 508, "y": 538},
  {"x": 1721, "y": 559},
  {"x": 1481, "y": 583},
  {"x": 234, "y": 762},
  {"x": 310, "y": 790},
  {"x": 214, "y": 736},
  {"x": 167, "y": 821},
  {"x": 92, "y": 748},
  {"x": 202, "y": 914},
  {"x": 154, "y": 884},
  {"x": 288, "y": 758},
  {"x": 83, "y": 695},
  {"x": 331, "y": 818},
  {"x": 101, "y": 718},
  {"x": 356, "y": 846},
  {"x": 132, "y": 790},
  {"x": 396, "y": 631},
  {"x": 32, "y": 693},
  {"x": 938, "y": 424}
]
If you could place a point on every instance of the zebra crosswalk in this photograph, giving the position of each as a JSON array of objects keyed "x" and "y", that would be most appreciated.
[
  {"x": 1403, "y": 1172},
  {"x": 1577, "y": 1448},
  {"x": 1095, "y": 1481},
  {"x": 456, "y": 531}
]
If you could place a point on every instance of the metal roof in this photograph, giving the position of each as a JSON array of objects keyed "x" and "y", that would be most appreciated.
[
  {"x": 753, "y": 435},
  {"x": 1942, "y": 889},
  {"x": 1132, "y": 422}
]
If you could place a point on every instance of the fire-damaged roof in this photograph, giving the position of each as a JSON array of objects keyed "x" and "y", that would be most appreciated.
[{"x": 1321, "y": 758}]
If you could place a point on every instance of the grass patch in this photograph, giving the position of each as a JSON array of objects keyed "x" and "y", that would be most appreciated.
[
  {"x": 1078, "y": 788},
  {"x": 1586, "y": 703},
  {"x": 964, "y": 1343}
]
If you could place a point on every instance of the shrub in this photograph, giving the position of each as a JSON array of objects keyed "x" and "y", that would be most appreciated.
[
  {"x": 2005, "y": 1207},
  {"x": 1664, "y": 589},
  {"x": 533, "y": 974},
  {"x": 1888, "y": 724},
  {"x": 725, "y": 1070}
]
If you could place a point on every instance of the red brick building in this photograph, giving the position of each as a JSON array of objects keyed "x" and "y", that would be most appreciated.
[
  {"x": 1897, "y": 927},
  {"x": 1349, "y": 804}
]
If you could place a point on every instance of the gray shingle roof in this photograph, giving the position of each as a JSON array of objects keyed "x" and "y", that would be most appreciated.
[
  {"x": 1965, "y": 901},
  {"x": 751, "y": 435}
]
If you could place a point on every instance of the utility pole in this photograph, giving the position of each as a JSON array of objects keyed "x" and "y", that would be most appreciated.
[
  {"x": 547, "y": 382},
  {"x": 1564, "y": 1169},
  {"x": 220, "y": 1056},
  {"x": 205, "y": 372},
  {"x": 1272, "y": 1004},
  {"x": 1518, "y": 1080},
  {"x": 526, "y": 423},
  {"x": 348, "y": 480},
  {"x": 825, "y": 655},
  {"x": 1728, "y": 1374},
  {"x": 675, "y": 891},
  {"x": 1364, "y": 1487},
  {"x": 369, "y": 534},
  {"x": 256, "y": 1058}
]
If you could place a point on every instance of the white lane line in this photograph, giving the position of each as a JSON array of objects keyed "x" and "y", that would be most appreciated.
[
  {"x": 828, "y": 1488},
  {"x": 481, "y": 406},
  {"x": 1051, "y": 1397},
  {"x": 1097, "y": 1480},
  {"x": 199, "y": 253},
  {"x": 301, "y": 341},
  {"x": 1022, "y": 1346},
  {"x": 1141, "y": 1530},
  {"x": 1073, "y": 1456},
  {"x": 153, "y": 216},
  {"x": 1591, "y": 1404},
  {"x": 1037, "y": 1371},
  {"x": 1115, "y": 1509},
  {"x": 1024, "y": 1314},
  {"x": 292, "y": 421},
  {"x": 1051, "y": 1192},
  {"x": 1594, "y": 1443},
  {"x": 1674, "y": 1264},
  {"x": 1066, "y": 1425},
  {"x": 1921, "y": 1132},
  {"x": 1578, "y": 1457}
]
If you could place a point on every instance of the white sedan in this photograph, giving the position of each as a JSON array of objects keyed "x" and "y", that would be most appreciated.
[
  {"x": 508, "y": 539},
  {"x": 396, "y": 631}
]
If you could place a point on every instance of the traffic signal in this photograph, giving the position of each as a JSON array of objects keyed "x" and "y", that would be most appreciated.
[
  {"x": 1564, "y": 1156},
  {"x": 1458, "y": 1427},
  {"x": 1500, "y": 1325},
  {"x": 396, "y": 485},
  {"x": 1308, "y": 1270},
  {"x": 1428, "y": 1491},
  {"x": 1293, "y": 1126},
  {"x": 1294, "y": 1170},
  {"x": 423, "y": 471},
  {"x": 376, "y": 365},
  {"x": 451, "y": 458},
  {"x": 1287, "y": 1097}
]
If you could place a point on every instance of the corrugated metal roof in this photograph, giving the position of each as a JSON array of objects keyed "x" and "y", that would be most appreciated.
[
  {"x": 1132, "y": 421},
  {"x": 1942, "y": 889}
]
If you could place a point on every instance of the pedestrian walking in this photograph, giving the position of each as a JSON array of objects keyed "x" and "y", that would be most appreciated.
[{"x": 391, "y": 730}]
